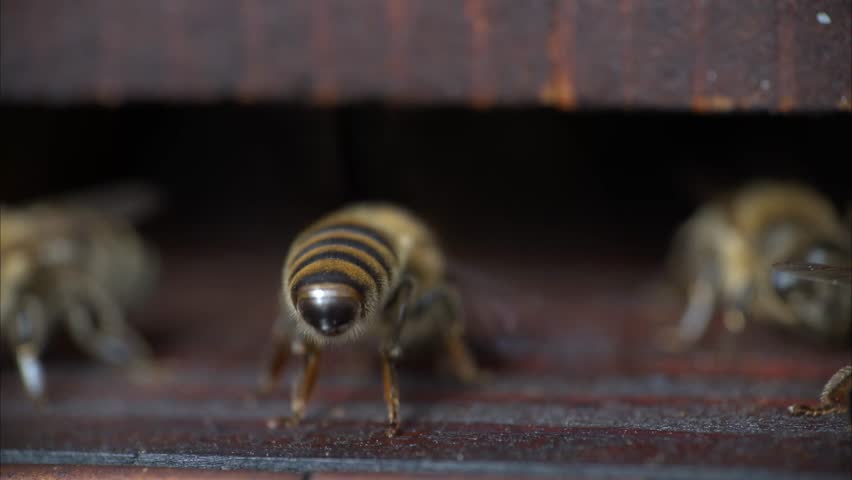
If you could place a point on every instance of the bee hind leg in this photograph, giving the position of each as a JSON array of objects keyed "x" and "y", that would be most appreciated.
[
  {"x": 833, "y": 398},
  {"x": 461, "y": 360},
  {"x": 304, "y": 384},
  {"x": 391, "y": 350},
  {"x": 278, "y": 358},
  {"x": 445, "y": 304},
  {"x": 390, "y": 380},
  {"x": 283, "y": 347}
]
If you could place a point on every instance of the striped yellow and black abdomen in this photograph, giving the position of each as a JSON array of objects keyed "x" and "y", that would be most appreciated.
[{"x": 350, "y": 253}]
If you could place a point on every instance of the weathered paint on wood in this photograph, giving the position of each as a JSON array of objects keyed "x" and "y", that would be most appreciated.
[{"x": 789, "y": 55}]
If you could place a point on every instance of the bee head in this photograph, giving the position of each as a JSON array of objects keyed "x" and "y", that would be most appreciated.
[
  {"x": 822, "y": 306},
  {"x": 331, "y": 309}
]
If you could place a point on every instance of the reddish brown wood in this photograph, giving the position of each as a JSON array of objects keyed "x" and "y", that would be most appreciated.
[
  {"x": 89, "y": 472},
  {"x": 580, "y": 389},
  {"x": 570, "y": 54},
  {"x": 80, "y": 472}
]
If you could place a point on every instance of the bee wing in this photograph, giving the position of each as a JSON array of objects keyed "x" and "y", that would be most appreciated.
[
  {"x": 817, "y": 272},
  {"x": 132, "y": 200},
  {"x": 491, "y": 299}
]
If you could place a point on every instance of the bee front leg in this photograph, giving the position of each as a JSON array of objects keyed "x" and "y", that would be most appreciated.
[
  {"x": 834, "y": 396},
  {"x": 304, "y": 385},
  {"x": 391, "y": 351}
]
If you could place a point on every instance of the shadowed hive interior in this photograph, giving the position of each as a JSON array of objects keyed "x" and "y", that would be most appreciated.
[
  {"x": 524, "y": 132},
  {"x": 556, "y": 227}
]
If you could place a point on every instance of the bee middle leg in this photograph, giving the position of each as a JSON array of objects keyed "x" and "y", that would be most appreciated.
[
  {"x": 445, "y": 301},
  {"x": 696, "y": 318},
  {"x": 97, "y": 324},
  {"x": 833, "y": 397}
]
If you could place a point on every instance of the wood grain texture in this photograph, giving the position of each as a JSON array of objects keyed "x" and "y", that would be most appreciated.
[
  {"x": 700, "y": 55},
  {"x": 95, "y": 472},
  {"x": 580, "y": 389}
]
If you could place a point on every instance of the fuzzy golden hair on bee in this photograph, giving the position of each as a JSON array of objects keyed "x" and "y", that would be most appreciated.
[
  {"x": 348, "y": 257},
  {"x": 65, "y": 263},
  {"x": 761, "y": 204},
  {"x": 722, "y": 257},
  {"x": 366, "y": 270}
]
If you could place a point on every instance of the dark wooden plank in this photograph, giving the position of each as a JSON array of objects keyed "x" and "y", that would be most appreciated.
[
  {"x": 569, "y": 54},
  {"x": 580, "y": 388},
  {"x": 723, "y": 69},
  {"x": 92, "y": 472},
  {"x": 834, "y": 18}
]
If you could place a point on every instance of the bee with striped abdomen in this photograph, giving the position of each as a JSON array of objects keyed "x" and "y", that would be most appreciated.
[
  {"x": 64, "y": 262},
  {"x": 370, "y": 270},
  {"x": 724, "y": 253}
]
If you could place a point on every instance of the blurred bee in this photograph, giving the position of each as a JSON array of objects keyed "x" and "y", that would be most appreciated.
[
  {"x": 723, "y": 255},
  {"x": 66, "y": 263},
  {"x": 836, "y": 392},
  {"x": 367, "y": 270}
]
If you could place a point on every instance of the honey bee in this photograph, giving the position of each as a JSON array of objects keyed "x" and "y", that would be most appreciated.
[
  {"x": 838, "y": 387},
  {"x": 367, "y": 270},
  {"x": 724, "y": 253},
  {"x": 68, "y": 264}
]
